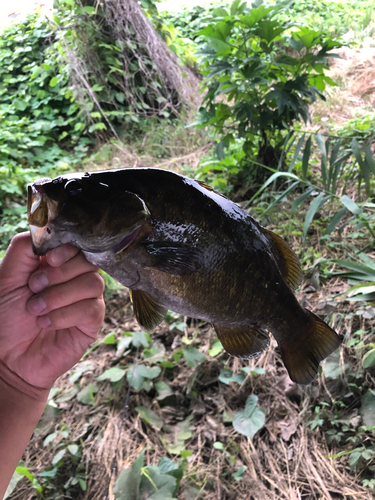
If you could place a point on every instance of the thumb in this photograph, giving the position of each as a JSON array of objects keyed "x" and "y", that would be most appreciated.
[{"x": 18, "y": 263}]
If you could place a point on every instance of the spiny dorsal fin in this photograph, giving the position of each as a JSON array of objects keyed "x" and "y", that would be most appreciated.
[
  {"x": 286, "y": 259},
  {"x": 302, "y": 354},
  {"x": 147, "y": 311},
  {"x": 242, "y": 341}
]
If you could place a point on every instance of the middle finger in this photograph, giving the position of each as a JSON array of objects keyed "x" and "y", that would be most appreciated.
[
  {"x": 49, "y": 276},
  {"x": 85, "y": 286}
]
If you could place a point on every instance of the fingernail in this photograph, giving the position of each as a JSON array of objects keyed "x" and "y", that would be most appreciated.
[
  {"x": 59, "y": 255},
  {"x": 37, "y": 305},
  {"x": 38, "y": 282},
  {"x": 44, "y": 321}
]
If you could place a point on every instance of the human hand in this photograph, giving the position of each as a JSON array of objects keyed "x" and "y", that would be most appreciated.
[{"x": 51, "y": 309}]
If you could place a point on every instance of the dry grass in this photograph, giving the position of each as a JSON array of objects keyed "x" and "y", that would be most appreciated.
[{"x": 354, "y": 96}]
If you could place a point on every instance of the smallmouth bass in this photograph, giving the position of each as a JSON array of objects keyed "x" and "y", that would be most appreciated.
[{"x": 177, "y": 244}]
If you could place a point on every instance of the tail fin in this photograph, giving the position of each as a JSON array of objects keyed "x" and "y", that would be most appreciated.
[{"x": 303, "y": 353}]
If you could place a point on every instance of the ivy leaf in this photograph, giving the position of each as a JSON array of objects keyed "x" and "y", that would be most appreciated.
[
  {"x": 150, "y": 417},
  {"x": 129, "y": 480},
  {"x": 193, "y": 356},
  {"x": 86, "y": 395},
  {"x": 113, "y": 374},
  {"x": 249, "y": 421}
]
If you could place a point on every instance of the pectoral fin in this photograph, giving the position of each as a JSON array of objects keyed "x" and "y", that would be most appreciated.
[
  {"x": 286, "y": 260},
  {"x": 173, "y": 258},
  {"x": 242, "y": 341},
  {"x": 147, "y": 311}
]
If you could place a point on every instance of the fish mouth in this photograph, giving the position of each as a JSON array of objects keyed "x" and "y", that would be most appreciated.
[{"x": 41, "y": 211}]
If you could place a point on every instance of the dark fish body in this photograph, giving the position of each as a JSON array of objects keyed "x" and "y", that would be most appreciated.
[{"x": 179, "y": 245}]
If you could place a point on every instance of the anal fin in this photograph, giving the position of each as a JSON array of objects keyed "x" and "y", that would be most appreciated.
[
  {"x": 147, "y": 311},
  {"x": 242, "y": 341},
  {"x": 286, "y": 259}
]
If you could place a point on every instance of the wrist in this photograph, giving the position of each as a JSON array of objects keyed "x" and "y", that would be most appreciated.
[{"x": 14, "y": 385}]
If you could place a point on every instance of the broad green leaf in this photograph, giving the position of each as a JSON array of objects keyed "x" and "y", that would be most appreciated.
[
  {"x": 141, "y": 339},
  {"x": 249, "y": 421},
  {"x": 367, "y": 409},
  {"x": 314, "y": 207},
  {"x": 368, "y": 359},
  {"x": 226, "y": 376},
  {"x": 216, "y": 348},
  {"x": 163, "y": 390},
  {"x": 140, "y": 375},
  {"x": 113, "y": 374},
  {"x": 73, "y": 449},
  {"x": 89, "y": 10},
  {"x": 59, "y": 456},
  {"x": 150, "y": 417},
  {"x": 53, "y": 81},
  {"x": 86, "y": 395},
  {"x": 156, "y": 485},
  {"x": 129, "y": 480},
  {"x": 193, "y": 356}
]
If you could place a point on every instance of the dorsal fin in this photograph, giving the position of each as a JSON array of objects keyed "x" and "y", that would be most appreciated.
[
  {"x": 286, "y": 259},
  {"x": 242, "y": 341}
]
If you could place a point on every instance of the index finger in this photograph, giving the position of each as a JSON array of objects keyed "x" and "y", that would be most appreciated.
[{"x": 61, "y": 254}]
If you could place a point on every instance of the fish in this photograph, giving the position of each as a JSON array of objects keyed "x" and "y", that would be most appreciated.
[{"x": 179, "y": 245}]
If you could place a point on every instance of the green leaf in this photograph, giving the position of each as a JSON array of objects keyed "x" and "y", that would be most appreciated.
[
  {"x": 193, "y": 356},
  {"x": 216, "y": 348},
  {"x": 139, "y": 377},
  {"x": 335, "y": 220},
  {"x": 163, "y": 389},
  {"x": 314, "y": 207},
  {"x": 73, "y": 449},
  {"x": 141, "y": 339},
  {"x": 89, "y": 10},
  {"x": 238, "y": 475},
  {"x": 249, "y": 421},
  {"x": 306, "y": 157},
  {"x": 323, "y": 150},
  {"x": 129, "y": 480},
  {"x": 296, "y": 203},
  {"x": 113, "y": 374},
  {"x": 86, "y": 395},
  {"x": 368, "y": 359},
  {"x": 150, "y": 417},
  {"x": 53, "y": 81},
  {"x": 350, "y": 205},
  {"x": 59, "y": 456}
]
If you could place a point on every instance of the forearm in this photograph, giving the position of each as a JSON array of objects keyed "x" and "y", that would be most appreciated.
[{"x": 20, "y": 411}]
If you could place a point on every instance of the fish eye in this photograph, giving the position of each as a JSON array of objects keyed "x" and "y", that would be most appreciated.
[{"x": 73, "y": 187}]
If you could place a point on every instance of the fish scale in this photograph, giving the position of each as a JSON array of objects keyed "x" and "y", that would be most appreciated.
[{"x": 178, "y": 244}]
